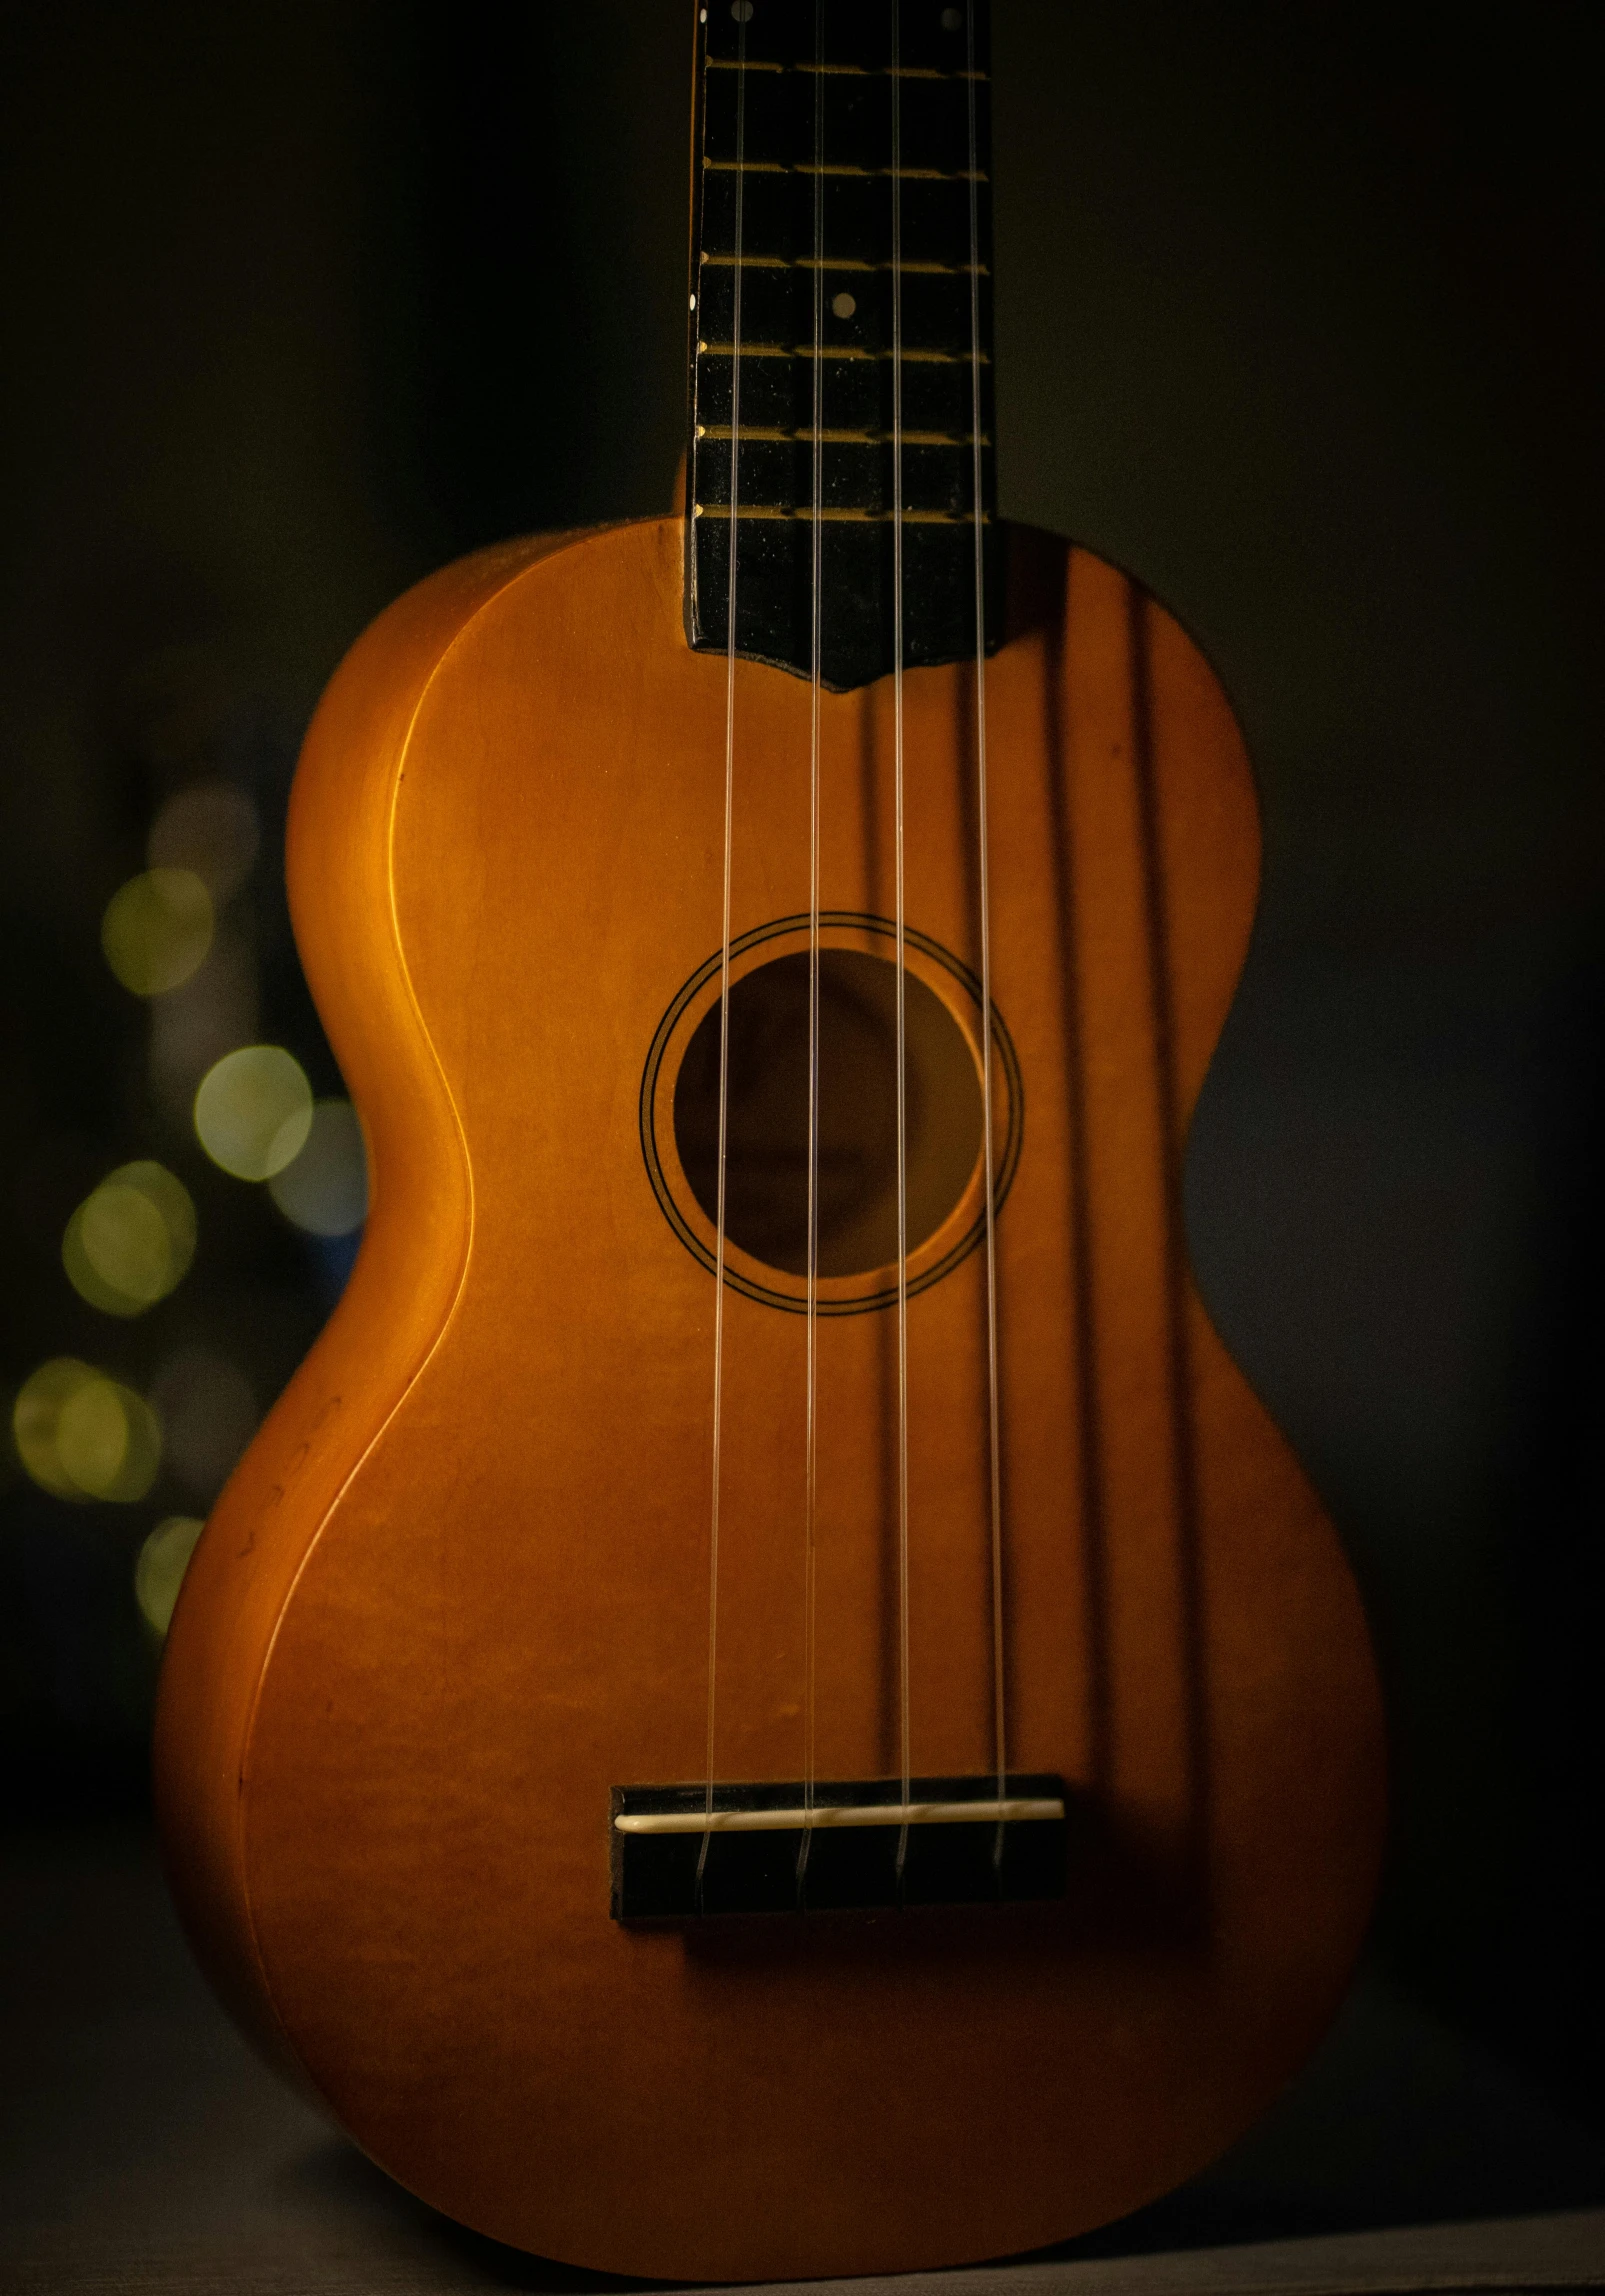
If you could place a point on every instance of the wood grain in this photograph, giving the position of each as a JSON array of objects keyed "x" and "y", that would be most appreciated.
[{"x": 458, "y": 1589}]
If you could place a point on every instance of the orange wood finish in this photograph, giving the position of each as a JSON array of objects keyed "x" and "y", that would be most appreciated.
[{"x": 458, "y": 1588}]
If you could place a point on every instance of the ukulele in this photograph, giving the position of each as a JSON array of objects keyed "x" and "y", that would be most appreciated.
[{"x": 768, "y": 1702}]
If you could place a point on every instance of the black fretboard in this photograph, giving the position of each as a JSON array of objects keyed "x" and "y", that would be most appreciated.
[{"x": 820, "y": 208}]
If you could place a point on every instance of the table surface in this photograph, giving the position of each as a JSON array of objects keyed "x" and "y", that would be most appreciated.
[{"x": 142, "y": 2148}]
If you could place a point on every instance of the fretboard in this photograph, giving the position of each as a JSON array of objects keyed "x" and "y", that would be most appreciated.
[{"x": 841, "y": 285}]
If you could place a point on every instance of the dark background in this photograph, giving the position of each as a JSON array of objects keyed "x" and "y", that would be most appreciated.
[{"x": 1299, "y": 318}]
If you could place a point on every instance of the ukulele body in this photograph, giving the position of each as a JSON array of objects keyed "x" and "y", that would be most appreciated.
[{"x": 457, "y": 1592}]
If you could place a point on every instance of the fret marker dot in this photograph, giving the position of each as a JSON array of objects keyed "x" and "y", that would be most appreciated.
[
  {"x": 843, "y": 305},
  {"x": 952, "y": 18},
  {"x": 693, "y": 302}
]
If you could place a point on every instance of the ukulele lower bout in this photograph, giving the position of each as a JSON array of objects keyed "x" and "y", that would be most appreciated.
[{"x": 456, "y": 1597}]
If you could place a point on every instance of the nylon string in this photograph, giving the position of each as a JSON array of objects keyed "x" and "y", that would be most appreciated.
[
  {"x": 994, "y": 1445},
  {"x": 901, "y": 933},
  {"x": 724, "y": 955},
  {"x": 811, "y": 1527}
]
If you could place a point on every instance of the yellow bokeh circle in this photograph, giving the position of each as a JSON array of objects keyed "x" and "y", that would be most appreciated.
[
  {"x": 157, "y": 930},
  {"x": 253, "y": 1111},
  {"x": 130, "y": 1242},
  {"x": 159, "y": 1568},
  {"x": 82, "y": 1435}
]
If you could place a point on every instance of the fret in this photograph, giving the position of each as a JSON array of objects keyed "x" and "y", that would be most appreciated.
[
  {"x": 824, "y": 389},
  {"x": 842, "y": 437},
  {"x": 844, "y": 263},
  {"x": 807, "y": 167},
  {"x": 748, "y": 350},
  {"x": 910, "y": 351},
  {"x": 804, "y": 512},
  {"x": 778, "y": 217},
  {"x": 777, "y": 469},
  {"x": 846, "y": 71}
]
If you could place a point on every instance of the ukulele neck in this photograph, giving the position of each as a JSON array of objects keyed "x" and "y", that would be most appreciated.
[{"x": 841, "y": 337}]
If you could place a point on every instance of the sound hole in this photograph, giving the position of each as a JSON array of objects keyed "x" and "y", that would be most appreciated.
[{"x": 766, "y": 1150}]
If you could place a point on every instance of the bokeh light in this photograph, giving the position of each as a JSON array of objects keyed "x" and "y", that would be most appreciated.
[
  {"x": 211, "y": 829},
  {"x": 208, "y": 1413},
  {"x": 131, "y": 1242},
  {"x": 82, "y": 1435},
  {"x": 253, "y": 1111},
  {"x": 159, "y": 1568},
  {"x": 325, "y": 1190},
  {"x": 157, "y": 930}
]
